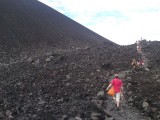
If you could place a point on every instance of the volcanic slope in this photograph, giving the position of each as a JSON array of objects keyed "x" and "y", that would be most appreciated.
[
  {"x": 32, "y": 28},
  {"x": 53, "y": 68}
]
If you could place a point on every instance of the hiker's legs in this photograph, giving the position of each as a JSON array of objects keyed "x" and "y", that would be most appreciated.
[
  {"x": 117, "y": 99},
  {"x": 114, "y": 98}
]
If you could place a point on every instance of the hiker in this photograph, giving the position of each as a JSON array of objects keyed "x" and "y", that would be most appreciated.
[
  {"x": 138, "y": 42},
  {"x": 140, "y": 63},
  {"x": 118, "y": 89},
  {"x": 138, "y": 46},
  {"x": 134, "y": 63},
  {"x": 139, "y": 49}
]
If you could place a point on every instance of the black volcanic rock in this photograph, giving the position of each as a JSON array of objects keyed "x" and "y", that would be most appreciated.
[
  {"x": 52, "y": 68},
  {"x": 32, "y": 28}
]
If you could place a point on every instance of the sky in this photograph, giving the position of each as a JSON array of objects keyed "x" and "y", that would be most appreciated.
[{"x": 121, "y": 21}]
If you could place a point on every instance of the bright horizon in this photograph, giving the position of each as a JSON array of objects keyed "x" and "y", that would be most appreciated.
[{"x": 121, "y": 21}]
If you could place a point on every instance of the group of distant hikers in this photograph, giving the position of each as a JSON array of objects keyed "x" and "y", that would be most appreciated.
[
  {"x": 138, "y": 63},
  {"x": 115, "y": 88}
]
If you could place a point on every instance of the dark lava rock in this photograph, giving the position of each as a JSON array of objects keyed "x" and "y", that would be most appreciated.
[{"x": 52, "y": 68}]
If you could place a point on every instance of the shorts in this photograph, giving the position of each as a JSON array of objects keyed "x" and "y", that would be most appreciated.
[{"x": 117, "y": 97}]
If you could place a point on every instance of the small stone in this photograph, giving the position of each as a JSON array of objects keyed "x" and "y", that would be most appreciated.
[
  {"x": 68, "y": 84},
  {"x": 130, "y": 99},
  {"x": 147, "y": 69},
  {"x": 95, "y": 114},
  {"x": 68, "y": 77},
  {"x": 37, "y": 62},
  {"x": 100, "y": 94},
  {"x": 130, "y": 93},
  {"x": 129, "y": 85},
  {"x": 48, "y": 59},
  {"x": 145, "y": 104},
  {"x": 64, "y": 117},
  {"x": 41, "y": 102},
  {"x": 129, "y": 79},
  {"x": 95, "y": 118},
  {"x": 71, "y": 118},
  {"x": 60, "y": 100},
  {"x": 98, "y": 103},
  {"x": 9, "y": 114},
  {"x": 29, "y": 60},
  {"x": 98, "y": 70},
  {"x": 78, "y": 118}
]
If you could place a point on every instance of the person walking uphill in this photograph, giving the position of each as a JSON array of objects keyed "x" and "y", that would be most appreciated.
[{"x": 118, "y": 89}]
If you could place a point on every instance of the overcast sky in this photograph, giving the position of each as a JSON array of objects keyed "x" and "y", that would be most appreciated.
[{"x": 121, "y": 21}]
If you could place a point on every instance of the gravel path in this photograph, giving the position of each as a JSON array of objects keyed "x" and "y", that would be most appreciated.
[{"x": 126, "y": 112}]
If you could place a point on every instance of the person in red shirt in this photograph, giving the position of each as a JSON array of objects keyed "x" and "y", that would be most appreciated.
[{"x": 118, "y": 89}]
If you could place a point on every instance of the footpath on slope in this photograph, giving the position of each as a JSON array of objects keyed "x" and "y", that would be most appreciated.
[
  {"x": 126, "y": 112},
  {"x": 142, "y": 56}
]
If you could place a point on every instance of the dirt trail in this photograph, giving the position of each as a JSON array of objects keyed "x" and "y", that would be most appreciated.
[
  {"x": 143, "y": 57},
  {"x": 126, "y": 112}
]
